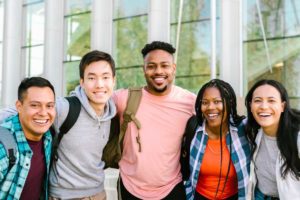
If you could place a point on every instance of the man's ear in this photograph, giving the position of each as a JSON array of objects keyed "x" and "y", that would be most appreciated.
[
  {"x": 18, "y": 105},
  {"x": 81, "y": 81}
]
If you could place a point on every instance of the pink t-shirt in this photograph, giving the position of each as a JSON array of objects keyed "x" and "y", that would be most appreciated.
[{"x": 154, "y": 172}]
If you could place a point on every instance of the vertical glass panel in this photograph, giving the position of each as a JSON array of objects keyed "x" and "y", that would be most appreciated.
[
  {"x": 34, "y": 24},
  {"x": 192, "y": 83},
  {"x": 32, "y": 1},
  {"x": 291, "y": 17},
  {"x": 281, "y": 23},
  {"x": 77, "y": 36},
  {"x": 77, "y": 6},
  {"x": 194, "y": 49},
  {"x": 130, "y": 77},
  {"x": 192, "y": 10},
  {"x": 34, "y": 60},
  {"x": 71, "y": 75},
  {"x": 130, "y": 36},
  {"x": 126, "y": 8}
]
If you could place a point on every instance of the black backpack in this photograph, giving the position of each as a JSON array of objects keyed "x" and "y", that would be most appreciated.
[{"x": 188, "y": 136}]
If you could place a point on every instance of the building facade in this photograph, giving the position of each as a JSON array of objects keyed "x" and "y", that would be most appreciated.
[{"x": 238, "y": 41}]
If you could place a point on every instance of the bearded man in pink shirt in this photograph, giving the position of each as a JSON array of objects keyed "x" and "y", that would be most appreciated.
[{"x": 152, "y": 170}]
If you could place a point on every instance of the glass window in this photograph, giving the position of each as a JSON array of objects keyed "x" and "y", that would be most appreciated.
[
  {"x": 33, "y": 58},
  {"x": 33, "y": 38},
  {"x": 34, "y": 24},
  {"x": 77, "y": 6},
  {"x": 32, "y": 1},
  {"x": 77, "y": 36},
  {"x": 128, "y": 8},
  {"x": 194, "y": 50},
  {"x": 281, "y": 25},
  {"x": 71, "y": 74},
  {"x": 130, "y": 36},
  {"x": 77, "y": 39},
  {"x": 193, "y": 10}
]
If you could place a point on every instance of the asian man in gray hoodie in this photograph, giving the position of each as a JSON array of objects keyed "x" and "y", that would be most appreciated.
[{"x": 78, "y": 172}]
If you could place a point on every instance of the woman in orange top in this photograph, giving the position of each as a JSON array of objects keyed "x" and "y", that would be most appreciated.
[{"x": 219, "y": 152}]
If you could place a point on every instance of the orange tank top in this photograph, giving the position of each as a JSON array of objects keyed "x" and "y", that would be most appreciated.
[{"x": 210, "y": 170}]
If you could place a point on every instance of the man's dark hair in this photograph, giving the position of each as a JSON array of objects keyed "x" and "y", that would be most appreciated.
[
  {"x": 94, "y": 56},
  {"x": 33, "y": 82},
  {"x": 157, "y": 45}
]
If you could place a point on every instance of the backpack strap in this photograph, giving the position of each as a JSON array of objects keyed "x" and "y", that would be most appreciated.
[
  {"x": 133, "y": 102},
  {"x": 9, "y": 142},
  {"x": 73, "y": 114},
  {"x": 188, "y": 136}
]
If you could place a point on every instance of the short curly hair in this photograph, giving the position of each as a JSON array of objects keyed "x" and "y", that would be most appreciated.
[{"x": 157, "y": 45}]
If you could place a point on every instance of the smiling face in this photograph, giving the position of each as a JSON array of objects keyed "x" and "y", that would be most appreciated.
[
  {"x": 212, "y": 109},
  {"x": 36, "y": 111},
  {"x": 266, "y": 107},
  {"x": 159, "y": 71},
  {"x": 98, "y": 83}
]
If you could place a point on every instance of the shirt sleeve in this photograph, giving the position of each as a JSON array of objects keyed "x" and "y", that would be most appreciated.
[{"x": 3, "y": 163}]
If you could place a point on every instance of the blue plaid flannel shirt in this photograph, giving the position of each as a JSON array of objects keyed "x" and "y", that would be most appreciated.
[
  {"x": 12, "y": 181},
  {"x": 240, "y": 157}
]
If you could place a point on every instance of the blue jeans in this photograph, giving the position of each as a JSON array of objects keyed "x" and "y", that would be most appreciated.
[{"x": 258, "y": 195}]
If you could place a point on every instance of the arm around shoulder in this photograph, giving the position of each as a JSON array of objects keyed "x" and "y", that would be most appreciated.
[{"x": 7, "y": 112}]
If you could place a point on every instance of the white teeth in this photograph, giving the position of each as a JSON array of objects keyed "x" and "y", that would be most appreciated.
[
  {"x": 264, "y": 114},
  {"x": 159, "y": 80},
  {"x": 41, "y": 121},
  {"x": 213, "y": 116}
]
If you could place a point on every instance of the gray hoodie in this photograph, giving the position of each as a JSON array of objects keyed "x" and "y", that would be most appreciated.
[{"x": 78, "y": 172}]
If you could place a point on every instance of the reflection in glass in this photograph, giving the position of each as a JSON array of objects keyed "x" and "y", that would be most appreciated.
[
  {"x": 32, "y": 1},
  {"x": 78, "y": 36},
  {"x": 77, "y": 6},
  {"x": 127, "y": 8},
  {"x": 194, "y": 50},
  {"x": 130, "y": 77},
  {"x": 34, "y": 21},
  {"x": 71, "y": 74},
  {"x": 282, "y": 27},
  {"x": 33, "y": 60},
  {"x": 193, "y": 10},
  {"x": 130, "y": 36}
]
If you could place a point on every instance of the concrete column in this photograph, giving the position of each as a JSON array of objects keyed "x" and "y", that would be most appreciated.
[
  {"x": 231, "y": 44},
  {"x": 101, "y": 26},
  {"x": 232, "y": 48},
  {"x": 159, "y": 20},
  {"x": 54, "y": 44},
  {"x": 12, "y": 37}
]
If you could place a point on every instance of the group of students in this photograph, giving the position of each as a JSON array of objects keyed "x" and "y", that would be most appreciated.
[{"x": 246, "y": 158}]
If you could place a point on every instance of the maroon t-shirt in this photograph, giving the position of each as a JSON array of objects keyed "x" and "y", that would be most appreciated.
[{"x": 33, "y": 187}]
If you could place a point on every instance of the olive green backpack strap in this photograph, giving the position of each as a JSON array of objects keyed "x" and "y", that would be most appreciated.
[{"x": 133, "y": 102}]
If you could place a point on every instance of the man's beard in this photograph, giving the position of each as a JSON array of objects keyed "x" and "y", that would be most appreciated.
[{"x": 160, "y": 90}]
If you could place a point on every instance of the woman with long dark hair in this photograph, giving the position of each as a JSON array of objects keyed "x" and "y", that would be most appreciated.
[
  {"x": 219, "y": 152},
  {"x": 273, "y": 129}
]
